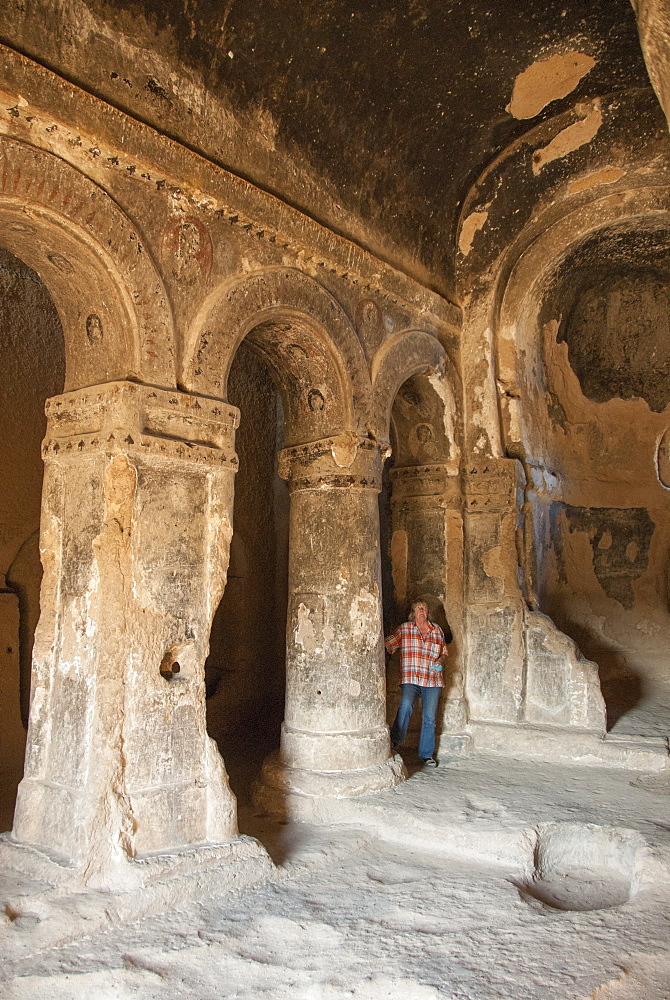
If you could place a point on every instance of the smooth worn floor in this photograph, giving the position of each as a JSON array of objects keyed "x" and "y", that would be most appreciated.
[{"x": 422, "y": 892}]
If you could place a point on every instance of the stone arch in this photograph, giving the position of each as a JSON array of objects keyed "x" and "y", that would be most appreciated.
[
  {"x": 422, "y": 426},
  {"x": 415, "y": 392},
  {"x": 110, "y": 297},
  {"x": 304, "y": 336},
  {"x": 525, "y": 265},
  {"x": 588, "y": 455},
  {"x": 417, "y": 395},
  {"x": 527, "y": 269},
  {"x": 410, "y": 353}
]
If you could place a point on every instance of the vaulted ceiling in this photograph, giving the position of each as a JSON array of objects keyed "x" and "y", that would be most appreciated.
[{"x": 374, "y": 118}]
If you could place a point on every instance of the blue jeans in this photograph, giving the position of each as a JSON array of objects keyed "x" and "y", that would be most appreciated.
[{"x": 429, "y": 699}]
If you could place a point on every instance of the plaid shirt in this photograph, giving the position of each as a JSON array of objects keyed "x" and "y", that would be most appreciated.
[{"x": 418, "y": 656}]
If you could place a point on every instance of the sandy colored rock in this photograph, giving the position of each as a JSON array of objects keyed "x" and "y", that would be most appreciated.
[
  {"x": 330, "y": 309},
  {"x": 548, "y": 80}
]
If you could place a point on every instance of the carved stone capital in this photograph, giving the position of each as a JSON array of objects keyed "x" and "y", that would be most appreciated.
[
  {"x": 343, "y": 461},
  {"x": 490, "y": 486},
  {"x": 426, "y": 486},
  {"x": 135, "y": 419}
]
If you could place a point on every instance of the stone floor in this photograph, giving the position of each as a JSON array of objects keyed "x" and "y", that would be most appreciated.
[{"x": 435, "y": 889}]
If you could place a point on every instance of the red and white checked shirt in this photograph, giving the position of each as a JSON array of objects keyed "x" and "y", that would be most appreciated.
[{"x": 418, "y": 656}]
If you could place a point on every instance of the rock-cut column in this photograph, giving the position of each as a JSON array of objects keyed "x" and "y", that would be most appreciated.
[
  {"x": 335, "y": 740},
  {"x": 136, "y": 527}
]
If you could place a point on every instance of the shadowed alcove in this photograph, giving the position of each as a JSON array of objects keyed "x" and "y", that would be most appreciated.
[
  {"x": 245, "y": 670},
  {"x": 287, "y": 386},
  {"x": 33, "y": 360},
  {"x": 413, "y": 532}
]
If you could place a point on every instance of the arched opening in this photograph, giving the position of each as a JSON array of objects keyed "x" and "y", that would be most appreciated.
[
  {"x": 285, "y": 382},
  {"x": 583, "y": 362},
  {"x": 109, "y": 296},
  {"x": 33, "y": 362},
  {"x": 421, "y": 531},
  {"x": 334, "y": 739},
  {"x": 245, "y": 671}
]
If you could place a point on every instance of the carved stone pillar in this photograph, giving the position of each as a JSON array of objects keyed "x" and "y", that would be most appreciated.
[
  {"x": 495, "y": 618},
  {"x": 335, "y": 741},
  {"x": 427, "y": 562},
  {"x": 520, "y": 668},
  {"x": 136, "y": 526}
]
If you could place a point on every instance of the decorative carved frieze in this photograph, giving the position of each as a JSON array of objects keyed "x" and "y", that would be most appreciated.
[
  {"x": 346, "y": 461},
  {"x": 490, "y": 486},
  {"x": 419, "y": 480},
  {"x": 138, "y": 419},
  {"x": 426, "y": 487}
]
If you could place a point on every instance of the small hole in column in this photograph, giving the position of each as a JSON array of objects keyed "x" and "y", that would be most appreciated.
[
  {"x": 170, "y": 666},
  {"x": 318, "y": 692}
]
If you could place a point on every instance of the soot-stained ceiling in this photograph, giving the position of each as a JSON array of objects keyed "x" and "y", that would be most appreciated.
[{"x": 373, "y": 118}]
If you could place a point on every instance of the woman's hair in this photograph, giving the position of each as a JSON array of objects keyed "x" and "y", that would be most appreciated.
[{"x": 415, "y": 605}]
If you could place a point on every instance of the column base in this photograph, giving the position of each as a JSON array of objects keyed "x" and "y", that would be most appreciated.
[
  {"x": 51, "y": 894},
  {"x": 295, "y": 793},
  {"x": 57, "y": 820},
  {"x": 334, "y": 752}
]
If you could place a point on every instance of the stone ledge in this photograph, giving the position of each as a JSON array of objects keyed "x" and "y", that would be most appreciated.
[
  {"x": 575, "y": 746},
  {"x": 455, "y": 744}
]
